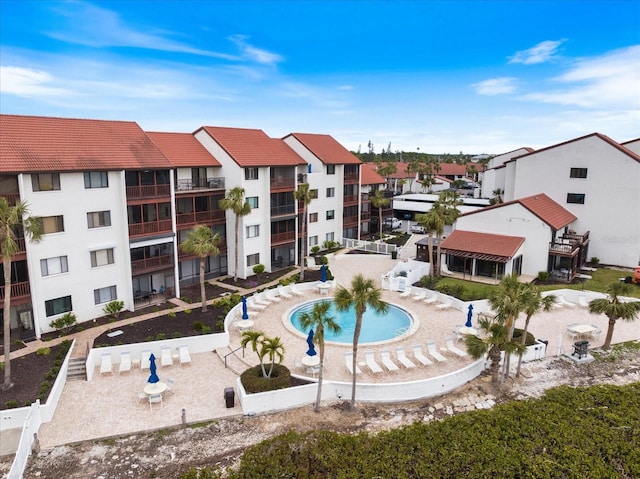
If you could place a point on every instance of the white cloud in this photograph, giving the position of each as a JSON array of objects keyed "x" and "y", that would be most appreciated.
[
  {"x": 605, "y": 82},
  {"x": 542, "y": 52},
  {"x": 255, "y": 54},
  {"x": 495, "y": 86},
  {"x": 27, "y": 82}
]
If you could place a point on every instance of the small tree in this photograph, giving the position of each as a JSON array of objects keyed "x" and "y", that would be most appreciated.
[
  {"x": 379, "y": 201},
  {"x": 113, "y": 308},
  {"x": 258, "y": 269},
  {"x": 614, "y": 308},
  {"x": 64, "y": 322},
  {"x": 236, "y": 202},
  {"x": 202, "y": 242},
  {"x": 264, "y": 347},
  {"x": 303, "y": 195}
]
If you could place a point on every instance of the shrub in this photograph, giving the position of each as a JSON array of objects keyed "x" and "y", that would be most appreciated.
[
  {"x": 161, "y": 337},
  {"x": 258, "y": 269},
  {"x": 11, "y": 404},
  {"x": 452, "y": 289},
  {"x": 197, "y": 326},
  {"x": 43, "y": 351},
  {"x": 543, "y": 275},
  {"x": 113, "y": 308},
  {"x": 315, "y": 249},
  {"x": 187, "y": 311},
  {"x": 64, "y": 322},
  {"x": 254, "y": 382},
  {"x": 176, "y": 335},
  {"x": 517, "y": 335},
  {"x": 171, "y": 314},
  {"x": 594, "y": 260},
  {"x": 428, "y": 282}
]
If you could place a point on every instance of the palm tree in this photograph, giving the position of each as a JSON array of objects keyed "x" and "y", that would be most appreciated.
[
  {"x": 202, "y": 242},
  {"x": 363, "y": 294},
  {"x": 274, "y": 350},
  {"x": 497, "y": 196},
  {"x": 434, "y": 224},
  {"x": 236, "y": 202},
  {"x": 255, "y": 339},
  {"x": 534, "y": 302},
  {"x": 379, "y": 201},
  {"x": 13, "y": 219},
  {"x": 614, "y": 309},
  {"x": 446, "y": 207},
  {"x": 303, "y": 194},
  {"x": 319, "y": 320}
]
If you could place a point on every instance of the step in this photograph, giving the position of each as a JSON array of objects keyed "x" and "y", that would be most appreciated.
[
  {"x": 77, "y": 369},
  {"x": 234, "y": 363}
]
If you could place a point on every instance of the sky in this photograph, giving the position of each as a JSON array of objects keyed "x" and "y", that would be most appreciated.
[{"x": 430, "y": 76}]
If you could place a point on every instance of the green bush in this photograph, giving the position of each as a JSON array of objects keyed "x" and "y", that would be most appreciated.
[
  {"x": 594, "y": 260},
  {"x": 258, "y": 269},
  {"x": 171, "y": 314},
  {"x": 543, "y": 275},
  {"x": 428, "y": 282},
  {"x": 113, "y": 308},
  {"x": 197, "y": 326},
  {"x": 452, "y": 289},
  {"x": 43, "y": 351},
  {"x": 254, "y": 382},
  {"x": 64, "y": 322},
  {"x": 315, "y": 249},
  {"x": 11, "y": 404},
  {"x": 517, "y": 335}
]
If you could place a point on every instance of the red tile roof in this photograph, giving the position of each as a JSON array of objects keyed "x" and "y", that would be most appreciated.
[
  {"x": 251, "y": 148},
  {"x": 326, "y": 149},
  {"x": 483, "y": 245},
  {"x": 32, "y": 144},
  {"x": 540, "y": 205},
  {"x": 182, "y": 149},
  {"x": 369, "y": 175}
]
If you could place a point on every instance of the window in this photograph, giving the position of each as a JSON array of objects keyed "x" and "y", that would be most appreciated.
[
  {"x": 577, "y": 198},
  {"x": 313, "y": 218},
  {"x": 51, "y": 266},
  {"x": 331, "y": 214},
  {"x": 578, "y": 173},
  {"x": 253, "y": 259},
  {"x": 331, "y": 192},
  {"x": 253, "y": 231},
  {"x": 313, "y": 194},
  {"x": 313, "y": 241},
  {"x": 331, "y": 169},
  {"x": 101, "y": 257},
  {"x": 253, "y": 201},
  {"x": 98, "y": 219},
  {"x": 105, "y": 295},
  {"x": 251, "y": 173},
  {"x": 96, "y": 179},
  {"x": 45, "y": 181},
  {"x": 58, "y": 306},
  {"x": 52, "y": 224},
  {"x": 330, "y": 236}
]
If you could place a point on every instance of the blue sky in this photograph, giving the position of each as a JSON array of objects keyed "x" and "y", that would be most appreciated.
[{"x": 441, "y": 76}]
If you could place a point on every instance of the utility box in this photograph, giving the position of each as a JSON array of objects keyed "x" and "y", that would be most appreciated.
[{"x": 229, "y": 397}]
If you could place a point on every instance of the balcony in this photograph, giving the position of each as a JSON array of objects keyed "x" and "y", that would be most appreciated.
[
  {"x": 350, "y": 221},
  {"x": 150, "y": 228},
  {"x": 283, "y": 210},
  {"x": 184, "y": 186},
  {"x": 569, "y": 248},
  {"x": 12, "y": 198},
  {"x": 151, "y": 264},
  {"x": 17, "y": 290},
  {"x": 351, "y": 177},
  {"x": 282, "y": 182},
  {"x": 350, "y": 199},
  {"x": 572, "y": 236},
  {"x": 200, "y": 217},
  {"x": 286, "y": 237},
  {"x": 148, "y": 191}
]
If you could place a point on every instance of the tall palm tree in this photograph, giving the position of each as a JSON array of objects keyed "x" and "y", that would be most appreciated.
[
  {"x": 273, "y": 349},
  {"x": 202, "y": 242},
  {"x": 362, "y": 295},
  {"x": 319, "y": 320},
  {"x": 533, "y": 302},
  {"x": 303, "y": 194},
  {"x": 13, "y": 219},
  {"x": 434, "y": 224},
  {"x": 236, "y": 202},
  {"x": 614, "y": 309},
  {"x": 379, "y": 201},
  {"x": 255, "y": 339}
]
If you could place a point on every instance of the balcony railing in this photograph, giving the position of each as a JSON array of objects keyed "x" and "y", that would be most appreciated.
[
  {"x": 200, "y": 184},
  {"x": 582, "y": 239},
  {"x": 148, "y": 191},
  {"x": 350, "y": 220},
  {"x": 12, "y": 198},
  {"x": 151, "y": 264},
  {"x": 351, "y": 199},
  {"x": 283, "y": 210},
  {"x": 285, "y": 237},
  {"x": 199, "y": 217},
  {"x": 365, "y": 197},
  {"x": 17, "y": 290},
  {"x": 567, "y": 249},
  {"x": 283, "y": 182},
  {"x": 153, "y": 227},
  {"x": 351, "y": 177}
]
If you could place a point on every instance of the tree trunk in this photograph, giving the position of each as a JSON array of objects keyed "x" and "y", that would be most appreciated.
[
  {"x": 356, "y": 337},
  {"x": 203, "y": 290},
  {"x": 6, "y": 317},
  {"x": 380, "y": 222},
  {"x": 304, "y": 241},
  {"x": 235, "y": 271},
  {"x": 607, "y": 340},
  {"x": 319, "y": 394},
  {"x": 431, "y": 269},
  {"x": 523, "y": 342}
]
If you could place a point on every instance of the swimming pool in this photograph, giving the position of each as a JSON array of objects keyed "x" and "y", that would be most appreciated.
[{"x": 375, "y": 327}]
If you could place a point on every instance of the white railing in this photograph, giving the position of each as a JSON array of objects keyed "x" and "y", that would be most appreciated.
[
  {"x": 369, "y": 246},
  {"x": 30, "y": 428}
]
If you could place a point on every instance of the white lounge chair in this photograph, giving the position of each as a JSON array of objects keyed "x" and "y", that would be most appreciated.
[
  {"x": 444, "y": 305},
  {"x": 445, "y": 269},
  {"x": 582, "y": 301},
  {"x": 434, "y": 353},
  {"x": 420, "y": 357},
  {"x": 145, "y": 362},
  {"x": 105, "y": 364},
  {"x": 252, "y": 304},
  {"x": 155, "y": 399},
  {"x": 431, "y": 299},
  {"x": 406, "y": 293},
  {"x": 165, "y": 357},
  {"x": 125, "y": 362},
  {"x": 311, "y": 263},
  {"x": 294, "y": 289},
  {"x": 387, "y": 362},
  {"x": 566, "y": 302},
  {"x": 272, "y": 295},
  {"x": 283, "y": 292},
  {"x": 403, "y": 359},
  {"x": 419, "y": 296},
  {"x": 373, "y": 366},
  {"x": 170, "y": 384},
  {"x": 184, "y": 355},
  {"x": 261, "y": 298},
  {"x": 348, "y": 362},
  {"x": 454, "y": 349}
]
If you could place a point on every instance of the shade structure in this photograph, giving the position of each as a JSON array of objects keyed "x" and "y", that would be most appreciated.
[
  {"x": 245, "y": 314},
  {"x": 312, "y": 350},
  {"x": 323, "y": 273},
  {"x": 469, "y": 315},
  {"x": 152, "y": 367}
]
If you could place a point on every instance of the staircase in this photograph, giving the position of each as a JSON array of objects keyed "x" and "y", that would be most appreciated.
[
  {"x": 234, "y": 362},
  {"x": 77, "y": 369}
]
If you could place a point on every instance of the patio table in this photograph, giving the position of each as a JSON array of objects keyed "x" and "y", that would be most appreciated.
[
  {"x": 582, "y": 329},
  {"x": 155, "y": 388}
]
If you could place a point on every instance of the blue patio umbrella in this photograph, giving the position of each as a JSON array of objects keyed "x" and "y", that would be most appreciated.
[
  {"x": 323, "y": 273},
  {"x": 245, "y": 314},
  {"x": 311, "y": 351},
  {"x": 469, "y": 315},
  {"x": 152, "y": 367}
]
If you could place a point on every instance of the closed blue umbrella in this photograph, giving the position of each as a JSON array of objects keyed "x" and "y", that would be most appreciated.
[
  {"x": 323, "y": 273},
  {"x": 469, "y": 315},
  {"x": 152, "y": 367},
  {"x": 245, "y": 314},
  {"x": 311, "y": 351}
]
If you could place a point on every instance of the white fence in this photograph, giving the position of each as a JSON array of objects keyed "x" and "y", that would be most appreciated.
[
  {"x": 369, "y": 246},
  {"x": 32, "y": 424}
]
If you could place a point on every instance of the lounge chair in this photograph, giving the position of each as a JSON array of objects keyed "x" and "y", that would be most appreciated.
[
  {"x": 403, "y": 359},
  {"x": 272, "y": 295},
  {"x": 454, "y": 349},
  {"x": 565, "y": 302},
  {"x": 283, "y": 292},
  {"x": 431, "y": 299},
  {"x": 170, "y": 384},
  {"x": 420, "y": 357},
  {"x": 294, "y": 289},
  {"x": 444, "y": 304},
  {"x": 373, "y": 366},
  {"x": 445, "y": 269},
  {"x": 145, "y": 362},
  {"x": 253, "y": 304},
  {"x": 348, "y": 362},
  {"x": 406, "y": 293},
  {"x": 387, "y": 362},
  {"x": 165, "y": 357},
  {"x": 184, "y": 355},
  {"x": 105, "y": 364},
  {"x": 419, "y": 296},
  {"x": 311, "y": 263},
  {"x": 125, "y": 362},
  {"x": 155, "y": 399},
  {"x": 433, "y": 352},
  {"x": 261, "y": 299}
]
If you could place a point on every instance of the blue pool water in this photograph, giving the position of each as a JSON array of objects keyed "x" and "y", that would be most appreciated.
[{"x": 375, "y": 327}]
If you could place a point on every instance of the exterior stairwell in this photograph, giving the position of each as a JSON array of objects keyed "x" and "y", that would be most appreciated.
[
  {"x": 77, "y": 369},
  {"x": 234, "y": 362}
]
